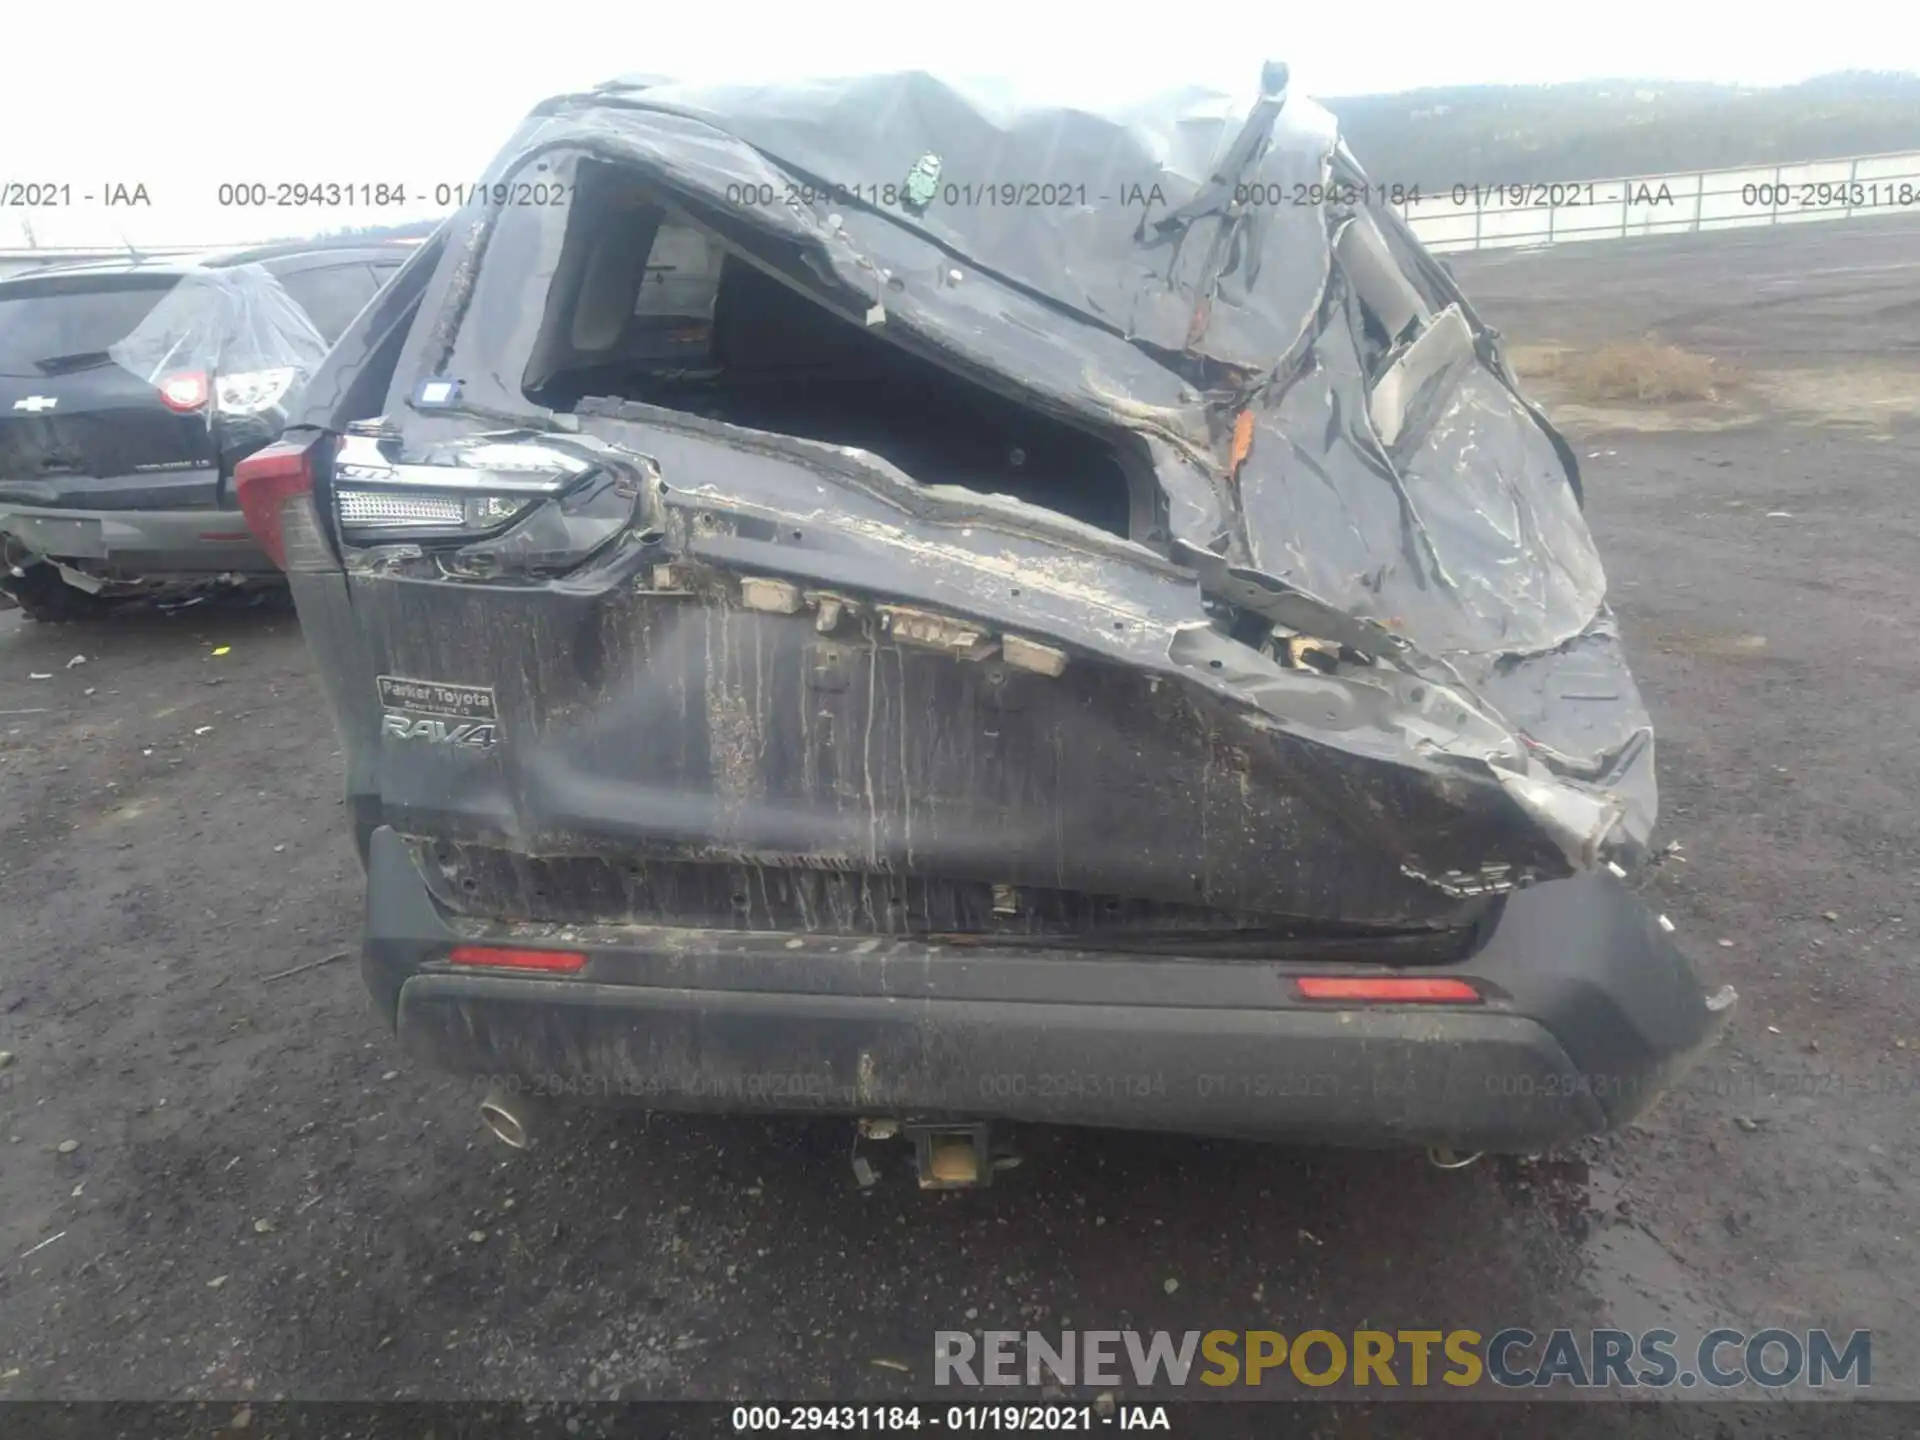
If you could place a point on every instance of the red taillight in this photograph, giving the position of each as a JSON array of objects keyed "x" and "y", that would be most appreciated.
[
  {"x": 265, "y": 482},
  {"x": 184, "y": 391},
  {"x": 563, "y": 962},
  {"x": 1386, "y": 989}
]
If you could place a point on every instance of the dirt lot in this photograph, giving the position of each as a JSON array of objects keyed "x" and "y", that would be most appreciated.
[{"x": 263, "y": 1197}]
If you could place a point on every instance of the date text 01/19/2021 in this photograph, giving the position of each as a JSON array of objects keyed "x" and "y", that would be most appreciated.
[
  {"x": 964, "y": 1418},
  {"x": 1057, "y": 193},
  {"x": 953, "y": 194},
  {"x": 384, "y": 194}
]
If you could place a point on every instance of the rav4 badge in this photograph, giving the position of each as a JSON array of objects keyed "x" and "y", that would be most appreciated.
[{"x": 439, "y": 732}]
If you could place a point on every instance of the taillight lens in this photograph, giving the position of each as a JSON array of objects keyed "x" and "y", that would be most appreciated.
[
  {"x": 244, "y": 393},
  {"x": 275, "y": 488},
  {"x": 371, "y": 515},
  {"x": 503, "y": 957},
  {"x": 492, "y": 504},
  {"x": 249, "y": 392},
  {"x": 184, "y": 391},
  {"x": 1386, "y": 989}
]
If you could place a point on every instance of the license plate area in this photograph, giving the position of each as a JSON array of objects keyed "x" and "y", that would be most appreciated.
[{"x": 62, "y": 536}]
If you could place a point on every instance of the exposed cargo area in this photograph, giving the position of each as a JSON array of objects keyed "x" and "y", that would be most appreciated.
[{"x": 651, "y": 307}]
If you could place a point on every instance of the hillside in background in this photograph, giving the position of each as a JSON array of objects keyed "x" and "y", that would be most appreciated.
[{"x": 1603, "y": 129}]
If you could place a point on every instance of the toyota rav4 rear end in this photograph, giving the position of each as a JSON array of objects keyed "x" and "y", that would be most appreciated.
[{"x": 852, "y": 599}]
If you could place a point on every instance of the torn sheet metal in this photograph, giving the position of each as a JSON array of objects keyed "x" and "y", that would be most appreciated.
[{"x": 1159, "y": 275}]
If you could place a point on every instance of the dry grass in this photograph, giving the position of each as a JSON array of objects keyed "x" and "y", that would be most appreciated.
[
  {"x": 1646, "y": 372},
  {"x": 1650, "y": 386},
  {"x": 1859, "y": 396}
]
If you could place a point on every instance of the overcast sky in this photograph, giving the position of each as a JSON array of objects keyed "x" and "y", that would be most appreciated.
[{"x": 182, "y": 99}]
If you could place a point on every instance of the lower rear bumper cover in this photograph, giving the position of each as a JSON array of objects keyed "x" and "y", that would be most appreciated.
[
  {"x": 131, "y": 543},
  {"x": 1595, "y": 1013}
]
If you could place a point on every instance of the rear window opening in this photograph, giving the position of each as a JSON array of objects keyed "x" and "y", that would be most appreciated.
[
  {"x": 54, "y": 325},
  {"x": 647, "y": 305}
]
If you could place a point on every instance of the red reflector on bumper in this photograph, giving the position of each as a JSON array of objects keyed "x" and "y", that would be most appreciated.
[
  {"x": 1386, "y": 989},
  {"x": 499, "y": 958}
]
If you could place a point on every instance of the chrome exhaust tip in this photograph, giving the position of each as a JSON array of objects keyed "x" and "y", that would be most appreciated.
[{"x": 511, "y": 1118}]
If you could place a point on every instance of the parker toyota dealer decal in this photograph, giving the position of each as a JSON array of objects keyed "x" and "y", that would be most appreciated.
[{"x": 437, "y": 712}]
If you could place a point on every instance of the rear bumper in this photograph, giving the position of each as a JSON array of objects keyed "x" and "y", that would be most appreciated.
[
  {"x": 1591, "y": 1013},
  {"x": 132, "y": 544}
]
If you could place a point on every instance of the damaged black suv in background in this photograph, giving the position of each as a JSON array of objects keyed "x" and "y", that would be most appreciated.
[
  {"x": 129, "y": 388},
  {"x": 854, "y": 599}
]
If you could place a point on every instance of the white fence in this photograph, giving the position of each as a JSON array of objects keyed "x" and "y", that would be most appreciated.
[{"x": 1477, "y": 217}]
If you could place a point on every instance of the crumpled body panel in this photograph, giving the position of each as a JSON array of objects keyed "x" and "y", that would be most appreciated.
[{"x": 1380, "y": 544}]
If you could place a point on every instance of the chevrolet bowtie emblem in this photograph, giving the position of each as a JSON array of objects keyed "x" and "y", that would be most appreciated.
[{"x": 37, "y": 403}]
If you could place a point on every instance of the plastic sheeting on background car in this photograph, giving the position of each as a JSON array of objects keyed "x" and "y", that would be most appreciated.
[{"x": 235, "y": 324}]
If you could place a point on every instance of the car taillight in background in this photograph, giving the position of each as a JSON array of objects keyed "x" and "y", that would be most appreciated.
[
  {"x": 184, "y": 392},
  {"x": 247, "y": 392},
  {"x": 275, "y": 489},
  {"x": 251, "y": 391}
]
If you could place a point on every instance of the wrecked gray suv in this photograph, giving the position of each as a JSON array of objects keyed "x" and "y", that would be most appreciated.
[{"x": 850, "y": 598}]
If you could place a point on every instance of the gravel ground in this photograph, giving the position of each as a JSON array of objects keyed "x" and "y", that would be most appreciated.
[{"x": 218, "y": 1180}]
